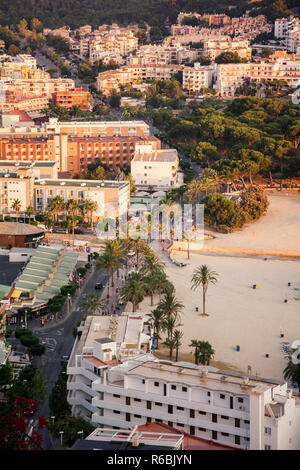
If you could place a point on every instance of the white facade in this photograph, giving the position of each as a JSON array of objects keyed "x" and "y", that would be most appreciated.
[{"x": 157, "y": 168}]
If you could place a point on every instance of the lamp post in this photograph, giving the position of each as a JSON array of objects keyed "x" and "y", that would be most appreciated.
[
  {"x": 61, "y": 437},
  {"x": 80, "y": 432},
  {"x": 53, "y": 418}
]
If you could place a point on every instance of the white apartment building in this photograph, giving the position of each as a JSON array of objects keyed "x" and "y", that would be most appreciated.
[
  {"x": 156, "y": 169},
  {"x": 105, "y": 342},
  {"x": 122, "y": 44},
  {"x": 114, "y": 382},
  {"x": 158, "y": 54},
  {"x": 231, "y": 76},
  {"x": 197, "y": 77},
  {"x": 214, "y": 47},
  {"x": 112, "y": 79}
]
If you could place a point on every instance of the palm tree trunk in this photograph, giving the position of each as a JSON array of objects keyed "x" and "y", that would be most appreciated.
[
  {"x": 151, "y": 297},
  {"x": 176, "y": 357},
  {"x": 203, "y": 299}
]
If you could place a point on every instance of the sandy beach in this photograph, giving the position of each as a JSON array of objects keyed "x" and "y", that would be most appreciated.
[{"x": 239, "y": 314}]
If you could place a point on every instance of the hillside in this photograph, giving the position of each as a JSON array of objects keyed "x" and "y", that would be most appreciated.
[{"x": 55, "y": 13}]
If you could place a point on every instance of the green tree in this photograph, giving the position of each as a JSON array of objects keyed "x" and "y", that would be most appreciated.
[{"x": 203, "y": 276}]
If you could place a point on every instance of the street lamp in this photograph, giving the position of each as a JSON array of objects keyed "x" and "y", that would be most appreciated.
[
  {"x": 61, "y": 437},
  {"x": 53, "y": 418},
  {"x": 80, "y": 432}
]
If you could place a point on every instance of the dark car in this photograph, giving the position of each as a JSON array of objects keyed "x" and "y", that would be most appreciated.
[
  {"x": 99, "y": 285},
  {"x": 64, "y": 359}
]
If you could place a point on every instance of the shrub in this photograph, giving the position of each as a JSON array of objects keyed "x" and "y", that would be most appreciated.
[
  {"x": 37, "y": 350},
  {"x": 8, "y": 333},
  {"x": 29, "y": 340},
  {"x": 22, "y": 332}
]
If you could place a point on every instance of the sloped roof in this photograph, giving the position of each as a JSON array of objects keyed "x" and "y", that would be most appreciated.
[{"x": 16, "y": 228}]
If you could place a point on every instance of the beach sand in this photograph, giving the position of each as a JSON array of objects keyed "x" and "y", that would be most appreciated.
[{"x": 239, "y": 314}]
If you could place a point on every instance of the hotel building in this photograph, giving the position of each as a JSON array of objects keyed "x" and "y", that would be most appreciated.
[{"x": 114, "y": 382}]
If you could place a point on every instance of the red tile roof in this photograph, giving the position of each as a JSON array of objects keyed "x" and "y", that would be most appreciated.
[{"x": 190, "y": 442}]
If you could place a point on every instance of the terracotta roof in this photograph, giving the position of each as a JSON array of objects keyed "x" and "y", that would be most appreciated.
[
  {"x": 190, "y": 442},
  {"x": 16, "y": 228},
  {"x": 23, "y": 116}
]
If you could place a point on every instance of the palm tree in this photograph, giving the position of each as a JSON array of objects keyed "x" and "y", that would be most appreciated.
[
  {"x": 106, "y": 261},
  {"x": 16, "y": 206},
  {"x": 177, "y": 337},
  {"x": 169, "y": 324},
  {"x": 93, "y": 303},
  {"x": 195, "y": 344},
  {"x": 90, "y": 207},
  {"x": 139, "y": 246},
  {"x": 152, "y": 264},
  {"x": 29, "y": 211},
  {"x": 134, "y": 290},
  {"x": 205, "y": 352},
  {"x": 56, "y": 205},
  {"x": 203, "y": 276},
  {"x": 170, "y": 305},
  {"x": 171, "y": 344},
  {"x": 160, "y": 279},
  {"x": 116, "y": 249},
  {"x": 156, "y": 319}
]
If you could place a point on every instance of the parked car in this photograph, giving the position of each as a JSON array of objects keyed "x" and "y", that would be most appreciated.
[{"x": 98, "y": 285}]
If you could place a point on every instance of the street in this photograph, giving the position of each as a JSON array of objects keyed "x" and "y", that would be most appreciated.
[{"x": 59, "y": 342}]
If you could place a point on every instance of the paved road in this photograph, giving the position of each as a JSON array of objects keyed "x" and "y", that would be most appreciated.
[{"x": 59, "y": 342}]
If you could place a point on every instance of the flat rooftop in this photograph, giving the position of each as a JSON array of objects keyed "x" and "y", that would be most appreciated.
[
  {"x": 192, "y": 377},
  {"x": 83, "y": 183},
  {"x": 157, "y": 156}
]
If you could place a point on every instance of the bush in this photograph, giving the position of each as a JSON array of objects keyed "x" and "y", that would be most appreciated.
[
  {"x": 29, "y": 340},
  {"x": 22, "y": 332},
  {"x": 223, "y": 214},
  {"x": 37, "y": 350},
  {"x": 8, "y": 333}
]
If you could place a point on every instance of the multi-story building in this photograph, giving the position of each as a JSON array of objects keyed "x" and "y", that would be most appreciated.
[
  {"x": 112, "y": 197},
  {"x": 113, "y": 382},
  {"x": 30, "y": 104},
  {"x": 105, "y": 342},
  {"x": 73, "y": 145},
  {"x": 231, "y": 76},
  {"x": 38, "y": 87},
  {"x": 112, "y": 79},
  {"x": 153, "y": 54},
  {"x": 73, "y": 97},
  {"x": 288, "y": 29},
  {"x": 156, "y": 169},
  {"x": 122, "y": 43},
  {"x": 40, "y": 169},
  {"x": 214, "y": 47},
  {"x": 198, "y": 77}
]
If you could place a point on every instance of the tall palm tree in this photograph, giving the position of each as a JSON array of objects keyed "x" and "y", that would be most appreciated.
[
  {"x": 29, "y": 211},
  {"x": 195, "y": 344},
  {"x": 117, "y": 251},
  {"x": 169, "y": 324},
  {"x": 56, "y": 205},
  {"x": 156, "y": 319},
  {"x": 106, "y": 261},
  {"x": 170, "y": 305},
  {"x": 16, "y": 206},
  {"x": 177, "y": 337},
  {"x": 152, "y": 264},
  {"x": 93, "y": 303},
  {"x": 90, "y": 207},
  {"x": 171, "y": 344},
  {"x": 139, "y": 246},
  {"x": 161, "y": 282},
  {"x": 134, "y": 290},
  {"x": 203, "y": 276}
]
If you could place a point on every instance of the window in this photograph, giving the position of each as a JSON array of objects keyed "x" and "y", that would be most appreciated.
[
  {"x": 156, "y": 384},
  {"x": 202, "y": 412},
  {"x": 246, "y": 421},
  {"x": 222, "y": 396},
  {"x": 180, "y": 425},
  {"x": 137, "y": 399},
  {"x": 268, "y": 431},
  {"x": 117, "y": 396},
  {"x": 173, "y": 387},
  {"x": 117, "y": 412},
  {"x": 180, "y": 408},
  {"x": 267, "y": 447},
  {"x": 224, "y": 434},
  {"x": 202, "y": 429},
  {"x": 143, "y": 381},
  {"x": 137, "y": 416},
  {"x": 208, "y": 394},
  {"x": 241, "y": 400},
  {"x": 224, "y": 417},
  {"x": 157, "y": 404},
  {"x": 184, "y": 389}
]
